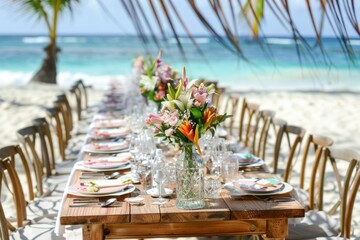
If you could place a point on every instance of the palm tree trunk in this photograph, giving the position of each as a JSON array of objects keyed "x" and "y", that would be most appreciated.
[{"x": 47, "y": 72}]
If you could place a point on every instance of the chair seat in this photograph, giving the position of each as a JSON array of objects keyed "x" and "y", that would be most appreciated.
[{"x": 315, "y": 224}]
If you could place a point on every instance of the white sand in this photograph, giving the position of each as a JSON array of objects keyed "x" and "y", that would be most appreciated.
[{"x": 332, "y": 114}]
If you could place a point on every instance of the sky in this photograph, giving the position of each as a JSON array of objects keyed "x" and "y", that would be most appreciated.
[{"x": 89, "y": 18}]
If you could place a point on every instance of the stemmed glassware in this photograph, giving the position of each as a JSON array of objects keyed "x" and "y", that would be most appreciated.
[
  {"x": 159, "y": 177},
  {"x": 144, "y": 170}
]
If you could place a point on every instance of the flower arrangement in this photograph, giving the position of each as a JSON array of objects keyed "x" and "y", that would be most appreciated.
[
  {"x": 156, "y": 78},
  {"x": 187, "y": 113}
]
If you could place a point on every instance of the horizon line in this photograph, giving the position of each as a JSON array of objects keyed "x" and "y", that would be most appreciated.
[{"x": 135, "y": 35}]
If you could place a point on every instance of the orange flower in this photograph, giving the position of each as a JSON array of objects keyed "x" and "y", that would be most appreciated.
[
  {"x": 187, "y": 130},
  {"x": 190, "y": 134},
  {"x": 208, "y": 116}
]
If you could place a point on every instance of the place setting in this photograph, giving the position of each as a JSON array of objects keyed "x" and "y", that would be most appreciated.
[
  {"x": 103, "y": 133},
  {"x": 107, "y": 146},
  {"x": 103, "y": 162},
  {"x": 258, "y": 187},
  {"x": 103, "y": 187},
  {"x": 109, "y": 123}
]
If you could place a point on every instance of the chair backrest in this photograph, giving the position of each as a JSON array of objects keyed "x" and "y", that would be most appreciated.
[
  {"x": 247, "y": 117},
  {"x": 275, "y": 129},
  {"x": 76, "y": 92},
  {"x": 46, "y": 140},
  {"x": 84, "y": 94},
  {"x": 66, "y": 114},
  {"x": 350, "y": 205},
  {"x": 8, "y": 172},
  {"x": 217, "y": 97},
  {"x": 4, "y": 235},
  {"x": 67, "y": 108},
  {"x": 28, "y": 137},
  {"x": 297, "y": 133},
  {"x": 318, "y": 143},
  {"x": 261, "y": 131},
  {"x": 231, "y": 108},
  {"x": 342, "y": 179},
  {"x": 55, "y": 117}
]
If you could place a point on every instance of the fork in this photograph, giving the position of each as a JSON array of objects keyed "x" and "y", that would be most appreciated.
[{"x": 274, "y": 198}]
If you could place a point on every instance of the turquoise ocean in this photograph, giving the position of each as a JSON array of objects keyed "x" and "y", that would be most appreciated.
[{"x": 272, "y": 65}]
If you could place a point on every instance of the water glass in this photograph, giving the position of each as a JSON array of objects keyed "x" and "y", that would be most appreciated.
[
  {"x": 230, "y": 169},
  {"x": 212, "y": 186}
]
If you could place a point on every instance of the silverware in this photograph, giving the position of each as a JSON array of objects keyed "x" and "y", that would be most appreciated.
[
  {"x": 101, "y": 204},
  {"x": 113, "y": 175},
  {"x": 85, "y": 200}
]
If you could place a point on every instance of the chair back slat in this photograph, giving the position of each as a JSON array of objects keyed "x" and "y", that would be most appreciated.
[
  {"x": 342, "y": 183},
  {"x": 54, "y": 115},
  {"x": 7, "y": 156},
  {"x": 261, "y": 131},
  {"x": 47, "y": 146},
  {"x": 350, "y": 204},
  {"x": 318, "y": 142},
  {"x": 27, "y": 137},
  {"x": 294, "y": 146}
]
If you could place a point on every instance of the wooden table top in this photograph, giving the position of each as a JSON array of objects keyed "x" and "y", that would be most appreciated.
[{"x": 220, "y": 209}]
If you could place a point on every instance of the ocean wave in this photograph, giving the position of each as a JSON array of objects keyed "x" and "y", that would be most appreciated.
[
  {"x": 65, "y": 79},
  {"x": 72, "y": 39},
  {"x": 35, "y": 40},
  {"x": 279, "y": 41},
  {"x": 355, "y": 42},
  {"x": 198, "y": 40}
]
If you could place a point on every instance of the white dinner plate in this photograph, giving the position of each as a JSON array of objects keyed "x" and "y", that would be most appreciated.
[
  {"x": 104, "y": 133},
  {"x": 237, "y": 193},
  {"x": 129, "y": 189},
  {"x": 88, "y": 148},
  {"x": 81, "y": 166}
]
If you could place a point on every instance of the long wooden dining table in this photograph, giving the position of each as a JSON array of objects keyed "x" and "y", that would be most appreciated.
[{"x": 224, "y": 216}]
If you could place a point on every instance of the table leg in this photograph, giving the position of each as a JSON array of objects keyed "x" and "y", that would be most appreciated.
[
  {"x": 276, "y": 229},
  {"x": 93, "y": 232}
]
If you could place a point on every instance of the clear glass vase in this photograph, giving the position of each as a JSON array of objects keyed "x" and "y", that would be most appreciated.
[{"x": 190, "y": 171}]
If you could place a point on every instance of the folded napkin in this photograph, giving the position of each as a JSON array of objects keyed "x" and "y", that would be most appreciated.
[
  {"x": 254, "y": 184},
  {"x": 110, "y": 132},
  {"x": 110, "y": 123},
  {"x": 107, "y": 183},
  {"x": 119, "y": 158},
  {"x": 244, "y": 158},
  {"x": 109, "y": 145}
]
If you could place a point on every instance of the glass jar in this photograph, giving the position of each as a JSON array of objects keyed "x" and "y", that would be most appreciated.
[{"x": 190, "y": 172}]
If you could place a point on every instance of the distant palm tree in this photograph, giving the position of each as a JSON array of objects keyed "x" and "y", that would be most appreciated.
[{"x": 47, "y": 11}]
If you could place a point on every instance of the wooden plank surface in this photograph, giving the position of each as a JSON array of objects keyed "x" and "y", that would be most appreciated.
[{"x": 186, "y": 229}]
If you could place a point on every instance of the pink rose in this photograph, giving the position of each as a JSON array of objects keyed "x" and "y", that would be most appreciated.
[
  {"x": 154, "y": 119},
  {"x": 172, "y": 121},
  {"x": 169, "y": 132}
]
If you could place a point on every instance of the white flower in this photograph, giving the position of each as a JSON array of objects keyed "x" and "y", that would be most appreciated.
[
  {"x": 184, "y": 102},
  {"x": 148, "y": 83}
]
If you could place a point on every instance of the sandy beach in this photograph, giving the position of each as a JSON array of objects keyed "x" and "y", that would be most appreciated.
[{"x": 334, "y": 114}]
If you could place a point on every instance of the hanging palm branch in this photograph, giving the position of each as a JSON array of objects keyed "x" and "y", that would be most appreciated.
[{"x": 332, "y": 12}]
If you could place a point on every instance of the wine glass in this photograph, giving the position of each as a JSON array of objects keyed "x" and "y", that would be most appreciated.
[
  {"x": 144, "y": 170},
  {"x": 159, "y": 177}
]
